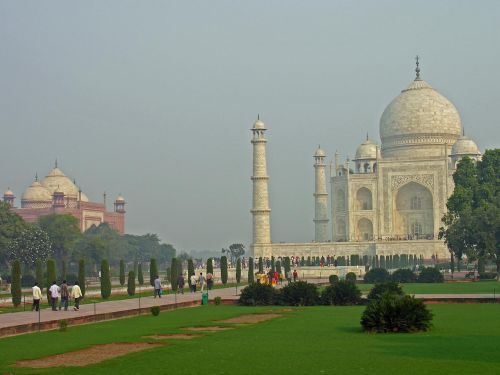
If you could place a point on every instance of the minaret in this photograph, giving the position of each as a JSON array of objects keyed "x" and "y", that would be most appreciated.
[
  {"x": 260, "y": 205},
  {"x": 320, "y": 198}
]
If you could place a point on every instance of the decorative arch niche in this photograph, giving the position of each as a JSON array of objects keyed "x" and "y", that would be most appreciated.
[
  {"x": 364, "y": 199},
  {"x": 414, "y": 215}
]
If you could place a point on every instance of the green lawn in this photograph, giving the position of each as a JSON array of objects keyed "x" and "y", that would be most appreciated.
[
  {"x": 317, "y": 340},
  {"x": 482, "y": 287}
]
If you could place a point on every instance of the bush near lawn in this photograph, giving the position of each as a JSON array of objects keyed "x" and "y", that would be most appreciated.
[
  {"x": 300, "y": 293},
  {"x": 257, "y": 294},
  {"x": 395, "y": 313},
  {"x": 390, "y": 287},
  {"x": 404, "y": 275},
  {"x": 341, "y": 293},
  {"x": 351, "y": 277},
  {"x": 333, "y": 279},
  {"x": 487, "y": 275},
  {"x": 430, "y": 275},
  {"x": 377, "y": 275}
]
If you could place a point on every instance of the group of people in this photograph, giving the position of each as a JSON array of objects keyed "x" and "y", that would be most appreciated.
[
  {"x": 57, "y": 292},
  {"x": 274, "y": 277},
  {"x": 200, "y": 280}
]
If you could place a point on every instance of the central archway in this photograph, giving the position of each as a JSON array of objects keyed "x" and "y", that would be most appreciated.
[{"x": 414, "y": 215}]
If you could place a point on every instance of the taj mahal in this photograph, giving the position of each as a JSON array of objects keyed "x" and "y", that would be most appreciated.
[{"x": 389, "y": 199}]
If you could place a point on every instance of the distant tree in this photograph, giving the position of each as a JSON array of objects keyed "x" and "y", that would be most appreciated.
[
  {"x": 51, "y": 274},
  {"x": 105, "y": 279},
  {"x": 30, "y": 245},
  {"x": 235, "y": 251},
  {"x": 131, "y": 283},
  {"x": 223, "y": 269},
  {"x": 191, "y": 270},
  {"x": 63, "y": 231},
  {"x": 174, "y": 269},
  {"x": 238, "y": 270},
  {"x": 11, "y": 226},
  {"x": 122, "y": 272},
  {"x": 81, "y": 275},
  {"x": 140, "y": 276},
  {"x": 251, "y": 276},
  {"x": 39, "y": 274},
  {"x": 15, "y": 286},
  {"x": 210, "y": 266},
  {"x": 261, "y": 265},
  {"x": 153, "y": 271}
]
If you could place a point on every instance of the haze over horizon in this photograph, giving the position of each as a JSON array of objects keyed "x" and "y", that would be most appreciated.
[{"x": 154, "y": 100}]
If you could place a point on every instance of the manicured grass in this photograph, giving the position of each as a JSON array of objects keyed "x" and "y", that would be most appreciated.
[
  {"x": 321, "y": 340},
  {"x": 480, "y": 287}
]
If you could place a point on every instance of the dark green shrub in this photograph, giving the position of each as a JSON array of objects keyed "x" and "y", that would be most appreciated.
[
  {"x": 28, "y": 281},
  {"x": 389, "y": 287},
  {"x": 257, "y": 294},
  {"x": 341, "y": 293},
  {"x": 210, "y": 266},
  {"x": 105, "y": 279},
  {"x": 39, "y": 274},
  {"x": 217, "y": 300},
  {"x": 81, "y": 275},
  {"x": 404, "y": 275},
  {"x": 153, "y": 271},
  {"x": 261, "y": 265},
  {"x": 251, "y": 276},
  {"x": 395, "y": 313},
  {"x": 351, "y": 277},
  {"x": 63, "y": 325},
  {"x": 430, "y": 275},
  {"x": 51, "y": 275},
  {"x": 174, "y": 268},
  {"x": 278, "y": 267},
  {"x": 223, "y": 269},
  {"x": 122, "y": 272},
  {"x": 377, "y": 275},
  {"x": 300, "y": 293},
  {"x": 140, "y": 276},
  {"x": 273, "y": 265},
  {"x": 487, "y": 275},
  {"x": 15, "y": 286},
  {"x": 155, "y": 310},
  {"x": 333, "y": 279},
  {"x": 131, "y": 283},
  {"x": 238, "y": 270}
]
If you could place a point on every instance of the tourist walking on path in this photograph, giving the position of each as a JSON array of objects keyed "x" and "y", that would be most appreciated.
[
  {"x": 64, "y": 296},
  {"x": 157, "y": 285},
  {"x": 76, "y": 293},
  {"x": 295, "y": 275},
  {"x": 37, "y": 296},
  {"x": 180, "y": 284},
  {"x": 210, "y": 281},
  {"x": 54, "y": 295},
  {"x": 202, "y": 281},
  {"x": 193, "y": 281}
]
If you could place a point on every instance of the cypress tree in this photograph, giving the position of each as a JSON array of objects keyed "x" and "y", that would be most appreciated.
[
  {"x": 191, "y": 269},
  {"x": 210, "y": 266},
  {"x": 15, "y": 287},
  {"x": 81, "y": 275},
  {"x": 251, "y": 278},
  {"x": 131, "y": 283},
  {"x": 140, "y": 276},
  {"x": 238, "y": 270},
  {"x": 278, "y": 267},
  {"x": 39, "y": 273},
  {"x": 174, "y": 268},
  {"x": 223, "y": 269},
  {"x": 51, "y": 274},
  {"x": 287, "y": 267},
  {"x": 261, "y": 265},
  {"x": 273, "y": 264},
  {"x": 153, "y": 271},
  {"x": 105, "y": 280},
  {"x": 122, "y": 272}
]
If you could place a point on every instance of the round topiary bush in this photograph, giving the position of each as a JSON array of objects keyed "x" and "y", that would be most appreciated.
[
  {"x": 257, "y": 294},
  {"x": 155, "y": 310},
  {"x": 300, "y": 293},
  {"x": 390, "y": 287},
  {"x": 342, "y": 293},
  {"x": 351, "y": 277},
  {"x": 430, "y": 275},
  {"x": 333, "y": 279},
  {"x": 377, "y": 275},
  {"x": 404, "y": 275},
  {"x": 395, "y": 313}
]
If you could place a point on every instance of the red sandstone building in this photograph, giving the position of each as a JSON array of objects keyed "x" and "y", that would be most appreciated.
[{"x": 58, "y": 194}]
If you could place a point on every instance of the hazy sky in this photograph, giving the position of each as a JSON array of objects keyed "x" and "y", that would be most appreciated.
[{"x": 155, "y": 99}]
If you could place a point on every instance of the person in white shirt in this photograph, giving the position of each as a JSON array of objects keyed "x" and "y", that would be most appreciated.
[
  {"x": 37, "y": 296},
  {"x": 76, "y": 293},
  {"x": 193, "y": 280},
  {"x": 54, "y": 295}
]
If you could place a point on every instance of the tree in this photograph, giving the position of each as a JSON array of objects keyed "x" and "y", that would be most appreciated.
[
  {"x": 81, "y": 275},
  {"x": 238, "y": 270},
  {"x": 63, "y": 231},
  {"x": 210, "y": 266},
  {"x": 235, "y": 251},
  {"x": 287, "y": 266},
  {"x": 30, "y": 245},
  {"x": 153, "y": 271},
  {"x": 278, "y": 267},
  {"x": 251, "y": 276},
  {"x": 140, "y": 276},
  {"x": 261, "y": 265},
  {"x": 15, "y": 287},
  {"x": 273, "y": 265},
  {"x": 63, "y": 270},
  {"x": 11, "y": 226},
  {"x": 105, "y": 279},
  {"x": 39, "y": 273},
  {"x": 51, "y": 274},
  {"x": 122, "y": 272},
  {"x": 223, "y": 269},
  {"x": 191, "y": 269},
  {"x": 131, "y": 283},
  {"x": 174, "y": 268}
]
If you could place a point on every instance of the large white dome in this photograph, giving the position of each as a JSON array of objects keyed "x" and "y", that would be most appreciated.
[
  {"x": 418, "y": 122},
  {"x": 56, "y": 180}
]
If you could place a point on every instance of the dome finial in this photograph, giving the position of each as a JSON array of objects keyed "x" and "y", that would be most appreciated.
[
  {"x": 463, "y": 131},
  {"x": 417, "y": 69},
  {"x": 366, "y": 135},
  {"x": 36, "y": 176},
  {"x": 258, "y": 116},
  {"x": 55, "y": 164}
]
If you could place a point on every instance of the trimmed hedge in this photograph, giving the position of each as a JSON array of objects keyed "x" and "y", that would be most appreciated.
[
  {"x": 300, "y": 293},
  {"x": 341, "y": 293},
  {"x": 430, "y": 275},
  {"x": 257, "y": 294},
  {"x": 390, "y": 287},
  {"x": 377, "y": 275},
  {"x": 351, "y": 277},
  {"x": 122, "y": 272},
  {"x": 153, "y": 271},
  {"x": 131, "y": 283},
  {"x": 333, "y": 279},
  {"x": 404, "y": 275},
  {"x": 251, "y": 276},
  {"x": 238, "y": 270},
  {"x": 15, "y": 287},
  {"x": 51, "y": 275},
  {"x": 487, "y": 275},
  {"x": 210, "y": 266},
  {"x": 105, "y": 279},
  {"x": 140, "y": 276},
  {"x": 223, "y": 269}
]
